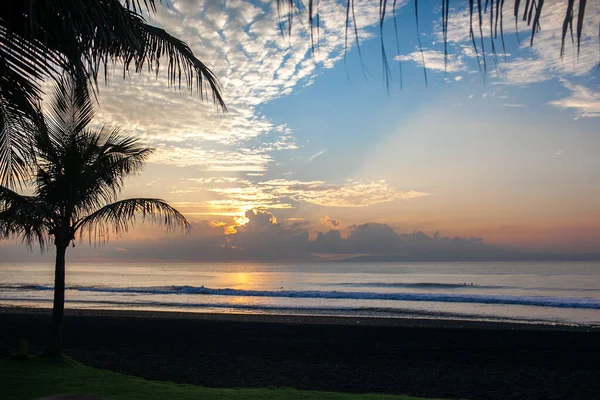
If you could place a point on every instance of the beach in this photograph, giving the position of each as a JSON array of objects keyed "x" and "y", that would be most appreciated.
[{"x": 420, "y": 357}]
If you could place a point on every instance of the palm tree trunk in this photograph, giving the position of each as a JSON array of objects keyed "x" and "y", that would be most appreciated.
[{"x": 58, "y": 309}]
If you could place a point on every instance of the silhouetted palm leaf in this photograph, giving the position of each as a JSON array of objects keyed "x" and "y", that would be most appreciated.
[
  {"x": 531, "y": 10},
  {"x": 41, "y": 39},
  {"x": 25, "y": 217},
  {"x": 118, "y": 217},
  {"x": 85, "y": 36}
]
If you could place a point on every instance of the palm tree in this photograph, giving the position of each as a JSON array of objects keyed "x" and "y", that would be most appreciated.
[
  {"x": 41, "y": 39},
  {"x": 78, "y": 174}
]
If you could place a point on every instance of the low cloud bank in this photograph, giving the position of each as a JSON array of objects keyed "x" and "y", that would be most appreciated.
[{"x": 259, "y": 236}]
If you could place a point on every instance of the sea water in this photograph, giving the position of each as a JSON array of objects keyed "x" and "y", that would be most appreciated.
[{"x": 532, "y": 292}]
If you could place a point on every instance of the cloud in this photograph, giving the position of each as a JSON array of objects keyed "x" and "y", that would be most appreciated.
[
  {"x": 347, "y": 194},
  {"x": 263, "y": 238},
  {"x": 235, "y": 196},
  {"x": 317, "y": 154},
  {"x": 545, "y": 62},
  {"x": 585, "y": 101},
  {"x": 258, "y": 236},
  {"x": 531, "y": 64},
  {"x": 241, "y": 42},
  {"x": 217, "y": 224},
  {"x": 436, "y": 61},
  {"x": 374, "y": 238},
  {"x": 259, "y": 220},
  {"x": 330, "y": 223},
  {"x": 330, "y": 243},
  {"x": 241, "y": 159},
  {"x": 458, "y": 28}
]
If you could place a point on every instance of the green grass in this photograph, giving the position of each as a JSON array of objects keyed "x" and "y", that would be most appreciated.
[{"x": 38, "y": 377}]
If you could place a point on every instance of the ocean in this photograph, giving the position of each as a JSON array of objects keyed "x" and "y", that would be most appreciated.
[{"x": 529, "y": 292}]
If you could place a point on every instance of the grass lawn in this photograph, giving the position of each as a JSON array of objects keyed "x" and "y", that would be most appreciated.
[{"x": 37, "y": 377}]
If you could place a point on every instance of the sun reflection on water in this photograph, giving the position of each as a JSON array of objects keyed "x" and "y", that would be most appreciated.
[{"x": 243, "y": 279}]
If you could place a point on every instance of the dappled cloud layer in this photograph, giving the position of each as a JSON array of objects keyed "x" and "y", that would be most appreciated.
[
  {"x": 243, "y": 45},
  {"x": 234, "y": 196}
]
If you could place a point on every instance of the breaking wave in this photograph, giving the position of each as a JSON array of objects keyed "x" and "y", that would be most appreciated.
[
  {"x": 538, "y": 301},
  {"x": 418, "y": 285}
]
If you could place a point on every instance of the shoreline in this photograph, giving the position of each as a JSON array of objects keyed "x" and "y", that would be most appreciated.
[
  {"x": 428, "y": 358},
  {"x": 398, "y": 322}
]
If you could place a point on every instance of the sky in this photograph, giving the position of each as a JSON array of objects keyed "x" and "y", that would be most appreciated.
[{"x": 318, "y": 142}]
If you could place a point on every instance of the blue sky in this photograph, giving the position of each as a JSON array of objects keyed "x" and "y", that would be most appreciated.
[{"x": 510, "y": 156}]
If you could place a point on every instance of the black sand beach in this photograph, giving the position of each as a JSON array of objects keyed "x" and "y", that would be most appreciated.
[{"x": 447, "y": 359}]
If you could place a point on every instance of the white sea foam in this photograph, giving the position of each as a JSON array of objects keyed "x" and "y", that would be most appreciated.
[{"x": 537, "y": 301}]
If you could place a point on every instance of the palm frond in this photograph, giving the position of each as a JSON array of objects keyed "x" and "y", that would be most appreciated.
[
  {"x": 39, "y": 38},
  {"x": 118, "y": 217},
  {"x": 14, "y": 143},
  {"x": 136, "y": 5},
  {"x": 19, "y": 112},
  {"x": 85, "y": 36},
  {"x": 531, "y": 10},
  {"x": 80, "y": 169},
  {"x": 108, "y": 158},
  {"x": 89, "y": 169},
  {"x": 70, "y": 110},
  {"x": 181, "y": 62},
  {"x": 22, "y": 59},
  {"x": 24, "y": 218}
]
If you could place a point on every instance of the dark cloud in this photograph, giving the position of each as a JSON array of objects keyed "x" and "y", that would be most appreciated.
[
  {"x": 262, "y": 238},
  {"x": 374, "y": 238},
  {"x": 259, "y": 220},
  {"x": 330, "y": 243}
]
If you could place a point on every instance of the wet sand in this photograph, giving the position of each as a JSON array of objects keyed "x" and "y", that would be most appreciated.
[{"x": 434, "y": 358}]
